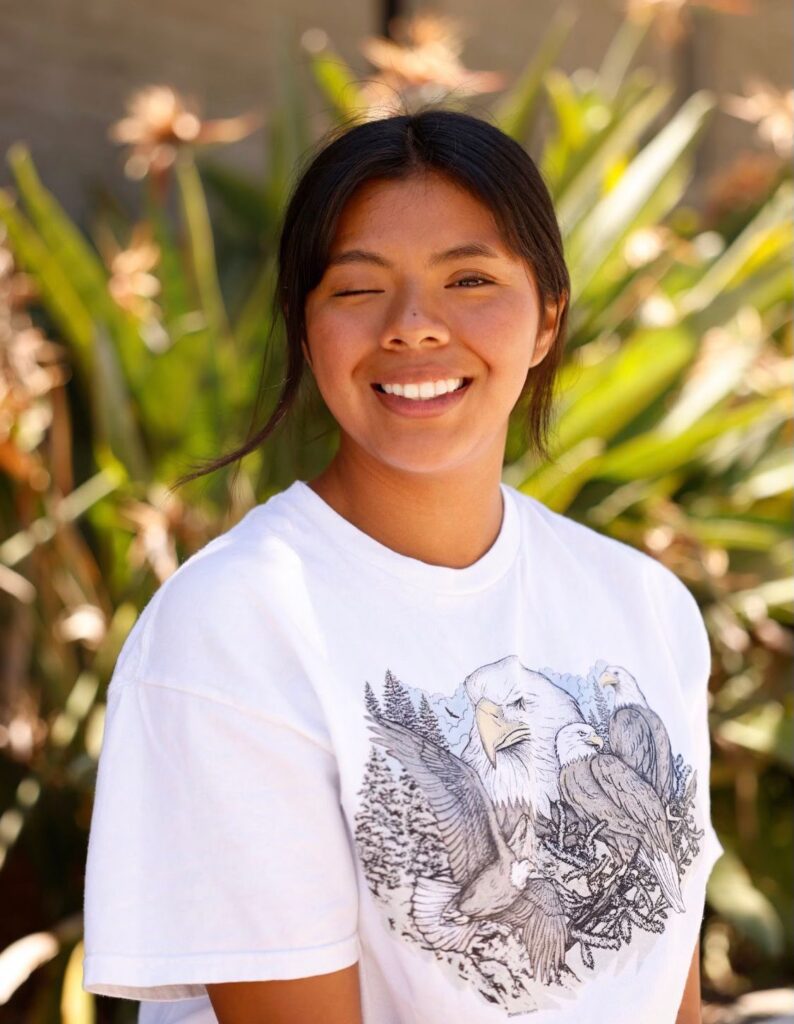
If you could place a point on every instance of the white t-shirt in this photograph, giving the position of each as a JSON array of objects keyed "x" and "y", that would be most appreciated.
[{"x": 488, "y": 785}]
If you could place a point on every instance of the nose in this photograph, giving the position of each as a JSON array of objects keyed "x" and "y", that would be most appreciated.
[{"x": 412, "y": 323}]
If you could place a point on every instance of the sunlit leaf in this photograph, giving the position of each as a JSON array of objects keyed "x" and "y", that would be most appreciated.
[
  {"x": 612, "y": 217},
  {"x": 63, "y": 302},
  {"x": 656, "y": 452},
  {"x": 337, "y": 83},
  {"x": 556, "y": 484},
  {"x": 579, "y": 188},
  {"x": 769, "y": 233},
  {"x": 75, "y": 256},
  {"x": 77, "y": 1005},
  {"x": 599, "y": 400},
  {"x": 202, "y": 249},
  {"x": 763, "y": 730}
]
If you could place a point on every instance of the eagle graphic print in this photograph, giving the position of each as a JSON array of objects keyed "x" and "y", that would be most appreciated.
[{"x": 526, "y": 827}]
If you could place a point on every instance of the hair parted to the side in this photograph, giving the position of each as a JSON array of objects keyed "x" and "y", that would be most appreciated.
[{"x": 472, "y": 153}]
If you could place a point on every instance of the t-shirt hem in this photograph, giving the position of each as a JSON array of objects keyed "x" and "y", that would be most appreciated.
[{"x": 164, "y": 979}]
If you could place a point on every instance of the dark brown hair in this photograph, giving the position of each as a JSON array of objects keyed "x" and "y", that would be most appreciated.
[{"x": 471, "y": 152}]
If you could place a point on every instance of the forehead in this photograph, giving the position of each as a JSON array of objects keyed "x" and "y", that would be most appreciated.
[{"x": 427, "y": 207}]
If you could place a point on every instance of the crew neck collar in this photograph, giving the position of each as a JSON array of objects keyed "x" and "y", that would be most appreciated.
[{"x": 440, "y": 578}]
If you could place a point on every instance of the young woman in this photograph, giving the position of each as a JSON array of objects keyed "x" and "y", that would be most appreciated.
[{"x": 404, "y": 746}]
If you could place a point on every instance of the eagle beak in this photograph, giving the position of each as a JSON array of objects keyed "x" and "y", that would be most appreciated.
[
  {"x": 495, "y": 731},
  {"x": 595, "y": 741},
  {"x": 607, "y": 679}
]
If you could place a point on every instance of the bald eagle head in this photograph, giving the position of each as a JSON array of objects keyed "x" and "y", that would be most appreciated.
[
  {"x": 517, "y": 715},
  {"x": 577, "y": 741},
  {"x": 624, "y": 686}
]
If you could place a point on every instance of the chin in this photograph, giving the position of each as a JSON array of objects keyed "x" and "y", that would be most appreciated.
[{"x": 435, "y": 460}]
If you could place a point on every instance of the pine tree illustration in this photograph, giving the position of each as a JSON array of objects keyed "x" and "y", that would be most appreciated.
[
  {"x": 427, "y": 855},
  {"x": 397, "y": 706},
  {"x": 602, "y": 707},
  {"x": 371, "y": 701},
  {"x": 428, "y": 725},
  {"x": 380, "y": 825}
]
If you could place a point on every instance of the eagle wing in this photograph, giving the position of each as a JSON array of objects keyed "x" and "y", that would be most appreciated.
[
  {"x": 639, "y": 737},
  {"x": 539, "y": 913},
  {"x": 665, "y": 776},
  {"x": 632, "y": 739},
  {"x": 462, "y": 808},
  {"x": 636, "y": 808},
  {"x": 581, "y": 791},
  {"x": 539, "y": 895}
]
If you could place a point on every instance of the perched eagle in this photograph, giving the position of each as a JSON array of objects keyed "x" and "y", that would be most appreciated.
[
  {"x": 602, "y": 787},
  {"x": 637, "y": 734},
  {"x": 517, "y": 715},
  {"x": 490, "y": 882}
]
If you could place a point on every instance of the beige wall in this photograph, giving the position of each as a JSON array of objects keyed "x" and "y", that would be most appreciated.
[{"x": 67, "y": 65}]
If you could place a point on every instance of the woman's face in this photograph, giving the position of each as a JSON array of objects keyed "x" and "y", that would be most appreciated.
[{"x": 400, "y": 315}]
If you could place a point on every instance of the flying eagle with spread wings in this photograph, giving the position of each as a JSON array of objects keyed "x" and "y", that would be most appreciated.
[
  {"x": 637, "y": 734},
  {"x": 490, "y": 882},
  {"x": 603, "y": 788},
  {"x": 517, "y": 715}
]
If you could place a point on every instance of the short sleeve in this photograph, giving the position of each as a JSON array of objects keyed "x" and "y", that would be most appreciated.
[
  {"x": 681, "y": 622},
  {"x": 218, "y": 849}
]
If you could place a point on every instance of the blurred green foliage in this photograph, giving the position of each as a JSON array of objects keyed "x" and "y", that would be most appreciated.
[{"x": 673, "y": 434}]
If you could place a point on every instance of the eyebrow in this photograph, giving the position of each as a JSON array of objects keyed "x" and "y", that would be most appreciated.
[{"x": 456, "y": 252}]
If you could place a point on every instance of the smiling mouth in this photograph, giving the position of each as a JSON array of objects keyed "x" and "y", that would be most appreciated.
[{"x": 426, "y": 390}]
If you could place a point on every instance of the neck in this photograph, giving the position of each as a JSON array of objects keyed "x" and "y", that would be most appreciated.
[
  {"x": 575, "y": 754},
  {"x": 626, "y": 694},
  {"x": 447, "y": 518}
]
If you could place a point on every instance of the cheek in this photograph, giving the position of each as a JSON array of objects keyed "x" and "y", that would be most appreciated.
[
  {"x": 337, "y": 344},
  {"x": 502, "y": 334}
]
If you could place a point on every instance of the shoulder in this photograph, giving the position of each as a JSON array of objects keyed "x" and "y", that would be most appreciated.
[
  {"x": 603, "y": 558},
  {"x": 213, "y": 627},
  {"x": 578, "y": 542},
  {"x": 656, "y": 600},
  {"x": 237, "y": 569}
]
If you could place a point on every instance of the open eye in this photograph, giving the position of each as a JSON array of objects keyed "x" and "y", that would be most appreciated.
[
  {"x": 475, "y": 279},
  {"x": 519, "y": 704}
]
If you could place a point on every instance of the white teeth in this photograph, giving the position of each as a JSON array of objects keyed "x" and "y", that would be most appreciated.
[{"x": 427, "y": 389}]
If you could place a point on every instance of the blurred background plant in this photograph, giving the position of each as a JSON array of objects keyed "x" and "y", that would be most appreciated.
[{"x": 131, "y": 351}]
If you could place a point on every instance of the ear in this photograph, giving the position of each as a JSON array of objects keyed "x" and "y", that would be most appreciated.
[{"x": 547, "y": 331}]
